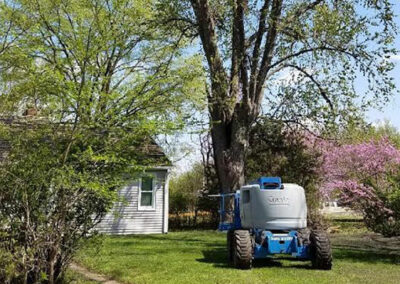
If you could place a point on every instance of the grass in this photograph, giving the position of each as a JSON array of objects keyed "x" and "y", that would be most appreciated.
[{"x": 200, "y": 257}]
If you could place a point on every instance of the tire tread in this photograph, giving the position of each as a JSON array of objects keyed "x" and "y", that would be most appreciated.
[
  {"x": 321, "y": 253},
  {"x": 242, "y": 256}
]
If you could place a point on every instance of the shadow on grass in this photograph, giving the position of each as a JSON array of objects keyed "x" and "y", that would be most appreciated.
[
  {"x": 159, "y": 241},
  {"x": 218, "y": 257},
  {"x": 369, "y": 256},
  {"x": 276, "y": 262},
  {"x": 161, "y": 237}
]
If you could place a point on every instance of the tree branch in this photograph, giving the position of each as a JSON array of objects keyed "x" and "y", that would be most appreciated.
[
  {"x": 238, "y": 50},
  {"x": 311, "y": 77},
  {"x": 269, "y": 49},
  {"x": 256, "y": 50},
  {"x": 219, "y": 80},
  {"x": 302, "y": 10}
]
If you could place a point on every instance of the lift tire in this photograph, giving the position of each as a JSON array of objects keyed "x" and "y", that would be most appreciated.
[
  {"x": 229, "y": 245},
  {"x": 242, "y": 253},
  {"x": 320, "y": 250}
]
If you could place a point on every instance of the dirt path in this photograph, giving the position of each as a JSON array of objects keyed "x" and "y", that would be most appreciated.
[{"x": 91, "y": 275}]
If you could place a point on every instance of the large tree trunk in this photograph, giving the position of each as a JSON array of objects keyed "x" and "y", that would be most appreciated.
[{"x": 230, "y": 140}]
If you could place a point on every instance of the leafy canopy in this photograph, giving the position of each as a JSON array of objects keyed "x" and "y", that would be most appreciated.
[
  {"x": 100, "y": 62},
  {"x": 301, "y": 59}
]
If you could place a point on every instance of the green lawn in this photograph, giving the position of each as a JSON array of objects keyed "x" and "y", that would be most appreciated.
[{"x": 200, "y": 257}]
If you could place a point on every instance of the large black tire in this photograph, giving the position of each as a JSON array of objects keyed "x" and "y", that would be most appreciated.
[
  {"x": 242, "y": 252},
  {"x": 320, "y": 250},
  {"x": 229, "y": 245}
]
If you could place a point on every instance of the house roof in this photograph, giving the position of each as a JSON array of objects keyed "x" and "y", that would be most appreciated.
[{"x": 150, "y": 150}]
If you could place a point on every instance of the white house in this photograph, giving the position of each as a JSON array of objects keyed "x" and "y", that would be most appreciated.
[
  {"x": 144, "y": 202},
  {"x": 144, "y": 209}
]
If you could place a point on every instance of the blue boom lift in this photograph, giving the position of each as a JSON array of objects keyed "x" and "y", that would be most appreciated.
[{"x": 270, "y": 218}]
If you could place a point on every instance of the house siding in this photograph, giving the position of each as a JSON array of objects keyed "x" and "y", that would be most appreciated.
[{"x": 127, "y": 218}]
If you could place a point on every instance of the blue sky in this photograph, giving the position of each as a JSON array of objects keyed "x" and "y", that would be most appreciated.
[{"x": 391, "y": 111}]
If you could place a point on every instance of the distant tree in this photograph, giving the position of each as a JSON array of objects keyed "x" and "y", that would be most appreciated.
[
  {"x": 360, "y": 132},
  {"x": 190, "y": 193},
  {"x": 104, "y": 79},
  {"x": 185, "y": 190}
]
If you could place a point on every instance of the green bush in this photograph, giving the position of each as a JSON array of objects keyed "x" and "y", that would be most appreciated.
[{"x": 387, "y": 224}]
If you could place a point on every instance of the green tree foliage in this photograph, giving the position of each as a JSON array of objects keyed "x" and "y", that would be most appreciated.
[
  {"x": 104, "y": 79},
  {"x": 361, "y": 132},
  {"x": 102, "y": 61},
  {"x": 189, "y": 193},
  {"x": 185, "y": 190}
]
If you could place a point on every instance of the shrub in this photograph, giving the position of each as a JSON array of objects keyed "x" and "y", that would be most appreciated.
[
  {"x": 365, "y": 176},
  {"x": 53, "y": 191}
]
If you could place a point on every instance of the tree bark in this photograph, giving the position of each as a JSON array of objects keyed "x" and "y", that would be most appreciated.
[
  {"x": 230, "y": 139},
  {"x": 234, "y": 100}
]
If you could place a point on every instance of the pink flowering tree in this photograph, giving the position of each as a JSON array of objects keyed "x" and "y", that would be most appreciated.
[{"x": 365, "y": 176}]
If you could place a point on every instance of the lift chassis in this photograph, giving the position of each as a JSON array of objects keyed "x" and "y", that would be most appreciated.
[{"x": 247, "y": 244}]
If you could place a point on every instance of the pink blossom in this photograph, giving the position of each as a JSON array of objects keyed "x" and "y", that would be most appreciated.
[{"x": 349, "y": 170}]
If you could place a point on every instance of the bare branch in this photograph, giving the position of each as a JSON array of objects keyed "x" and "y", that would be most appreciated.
[
  {"x": 269, "y": 49},
  {"x": 302, "y": 10},
  {"x": 300, "y": 52},
  {"x": 256, "y": 50},
  {"x": 219, "y": 79}
]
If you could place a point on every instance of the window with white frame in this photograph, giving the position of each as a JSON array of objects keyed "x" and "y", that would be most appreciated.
[{"x": 146, "y": 193}]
